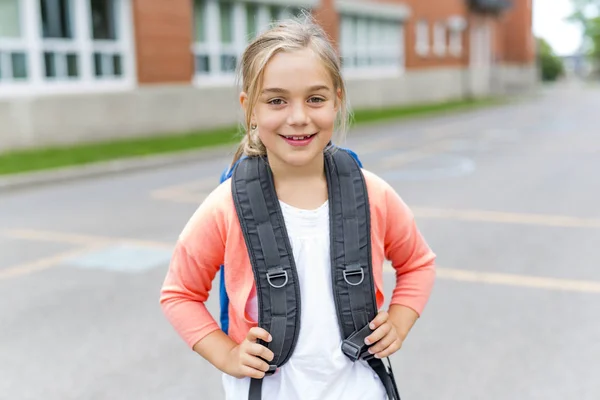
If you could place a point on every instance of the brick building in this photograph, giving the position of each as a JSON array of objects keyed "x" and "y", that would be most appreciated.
[{"x": 76, "y": 70}]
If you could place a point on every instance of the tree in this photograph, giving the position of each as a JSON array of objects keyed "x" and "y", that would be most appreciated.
[
  {"x": 587, "y": 14},
  {"x": 550, "y": 64}
]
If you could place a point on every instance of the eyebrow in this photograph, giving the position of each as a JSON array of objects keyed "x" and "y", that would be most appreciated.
[{"x": 314, "y": 88}]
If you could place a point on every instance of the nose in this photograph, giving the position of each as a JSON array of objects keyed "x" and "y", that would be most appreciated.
[{"x": 298, "y": 115}]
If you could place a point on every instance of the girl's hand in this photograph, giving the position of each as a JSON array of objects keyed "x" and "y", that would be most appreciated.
[
  {"x": 243, "y": 359},
  {"x": 385, "y": 336}
]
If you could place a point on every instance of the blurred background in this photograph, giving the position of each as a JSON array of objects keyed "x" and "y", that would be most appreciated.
[{"x": 117, "y": 118}]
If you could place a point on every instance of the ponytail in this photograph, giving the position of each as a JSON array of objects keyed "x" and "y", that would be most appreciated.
[{"x": 250, "y": 145}]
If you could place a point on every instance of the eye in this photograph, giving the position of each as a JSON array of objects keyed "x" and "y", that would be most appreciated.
[
  {"x": 316, "y": 100},
  {"x": 275, "y": 102}
]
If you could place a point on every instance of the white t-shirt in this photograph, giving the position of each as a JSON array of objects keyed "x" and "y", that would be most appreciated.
[{"x": 317, "y": 370}]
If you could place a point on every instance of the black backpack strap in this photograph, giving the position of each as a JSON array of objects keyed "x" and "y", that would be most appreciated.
[
  {"x": 277, "y": 287},
  {"x": 351, "y": 262}
]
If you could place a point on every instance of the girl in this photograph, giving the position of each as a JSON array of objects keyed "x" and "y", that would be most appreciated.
[{"x": 293, "y": 95}]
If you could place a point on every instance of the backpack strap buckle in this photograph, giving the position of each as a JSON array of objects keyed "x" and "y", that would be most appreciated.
[{"x": 354, "y": 346}]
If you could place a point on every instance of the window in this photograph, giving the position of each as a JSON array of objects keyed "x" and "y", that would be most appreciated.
[
  {"x": 456, "y": 25},
  {"x": 13, "y": 55},
  {"x": 10, "y": 26},
  {"x": 370, "y": 43},
  {"x": 107, "y": 51},
  {"x": 56, "y": 19},
  {"x": 455, "y": 43},
  {"x": 64, "y": 44},
  {"x": 439, "y": 44},
  {"x": 223, "y": 28},
  {"x": 422, "y": 38},
  {"x": 228, "y": 53}
]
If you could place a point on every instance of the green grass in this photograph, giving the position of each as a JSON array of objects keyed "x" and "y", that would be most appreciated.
[
  {"x": 384, "y": 114},
  {"x": 39, "y": 159}
]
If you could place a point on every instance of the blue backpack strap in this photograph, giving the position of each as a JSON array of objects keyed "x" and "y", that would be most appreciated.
[{"x": 224, "y": 298}]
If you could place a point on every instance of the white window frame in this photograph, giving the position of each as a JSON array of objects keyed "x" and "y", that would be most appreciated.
[
  {"x": 9, "y": 46},
  {"x": 439, "y": 39},
  {"x": 422, "y": 38},
  {"x": 212, "y": 46},
  {"x": 456, "y": 27},
  {"x": 455, "y": 47},
  {"x": 82, "y": 44},
  {"x": 372, "y": 36}
]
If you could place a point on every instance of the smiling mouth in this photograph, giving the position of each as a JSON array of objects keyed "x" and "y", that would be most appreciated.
[{"x": 298, "y": 137}]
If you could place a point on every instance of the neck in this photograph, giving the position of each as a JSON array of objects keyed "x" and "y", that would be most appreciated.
[{"x": 282, "y": 171}]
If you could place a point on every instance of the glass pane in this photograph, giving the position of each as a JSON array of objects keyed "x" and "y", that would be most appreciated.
[
  {"x": 226, "y": 22},
  {"x": 56, "y": 19},
  {"x": 103, "y": 19},
  {"x": 72, "y": 65},
  {"x": 19, "y": 65},
  {"x": 9, "y": 19},
  {"x": 49, "y": 64},
  {"x": 200, "y": 20},
  {"x": 251, "y": 23},
  {"x": 98, "y": 64},
  {"x": 202, "y": 64},
  {"x": 228, "y": 63},
  {"x": 117, "y": 65}
]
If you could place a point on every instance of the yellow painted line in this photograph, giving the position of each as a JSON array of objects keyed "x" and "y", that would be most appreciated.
[
  {"x": 42, "y": 264},
  {"x": 385, "y": 144},
  {"x": 187, "y": 190},
  {"x": 563, "y": 221},
  {"x": 413, "y": 155},
  {"x": 536, "y": 282},
  {"x": 77, "y": 239},
  {"x": 517, "y": 280}
]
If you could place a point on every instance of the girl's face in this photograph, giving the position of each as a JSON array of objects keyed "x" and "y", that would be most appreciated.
[{"x": 296, "y": 109}]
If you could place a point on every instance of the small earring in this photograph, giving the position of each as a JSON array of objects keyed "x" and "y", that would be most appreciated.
[{"x": 253, "y": 127}]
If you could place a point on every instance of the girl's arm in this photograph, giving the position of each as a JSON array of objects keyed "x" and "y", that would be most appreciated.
[
  {"x": 195, "y": 262},
  {"x": 196, "y": 259},
  {"x": 413, "y": 261}
]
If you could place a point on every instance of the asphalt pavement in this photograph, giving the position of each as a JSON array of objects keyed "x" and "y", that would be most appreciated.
[{"x": 508, "y": 197}]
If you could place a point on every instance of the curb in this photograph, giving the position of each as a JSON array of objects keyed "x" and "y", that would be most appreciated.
[{"x": 105, "y": 168}]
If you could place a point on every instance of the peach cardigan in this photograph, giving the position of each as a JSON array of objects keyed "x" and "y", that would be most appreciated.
[{"x": 213, "y": 237}]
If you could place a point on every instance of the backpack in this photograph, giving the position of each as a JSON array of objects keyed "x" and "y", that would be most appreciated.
[{"x": 278, "y": 291}]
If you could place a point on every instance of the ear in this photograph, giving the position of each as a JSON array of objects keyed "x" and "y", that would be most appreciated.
[
  {"x": 338, "y": 99},
  {"x": 244, "y": 101}
]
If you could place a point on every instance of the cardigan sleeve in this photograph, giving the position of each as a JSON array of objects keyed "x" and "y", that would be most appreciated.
[
  {"x": 197, "y": 257},
  {"x": 409, "y": 254}
]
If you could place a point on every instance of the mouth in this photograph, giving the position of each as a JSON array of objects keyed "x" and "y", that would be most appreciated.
[{"x": 298, "y": 140}]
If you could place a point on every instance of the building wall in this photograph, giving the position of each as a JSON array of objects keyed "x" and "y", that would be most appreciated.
[
  {"x": 517, "y": 35},
  {"x": 163, "y": 37},
  {"x": 161, "y": 90},
  {"x": 435, "y": 12}
]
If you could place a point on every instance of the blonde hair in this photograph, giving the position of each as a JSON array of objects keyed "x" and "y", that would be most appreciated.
[{"x": 288, "y": 35}]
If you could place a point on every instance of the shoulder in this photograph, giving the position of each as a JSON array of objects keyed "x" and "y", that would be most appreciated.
[
  {"x": 214, "y": 213},
  {"x": 382, "y": 196},
  {"x": 377, "y": 186}
]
